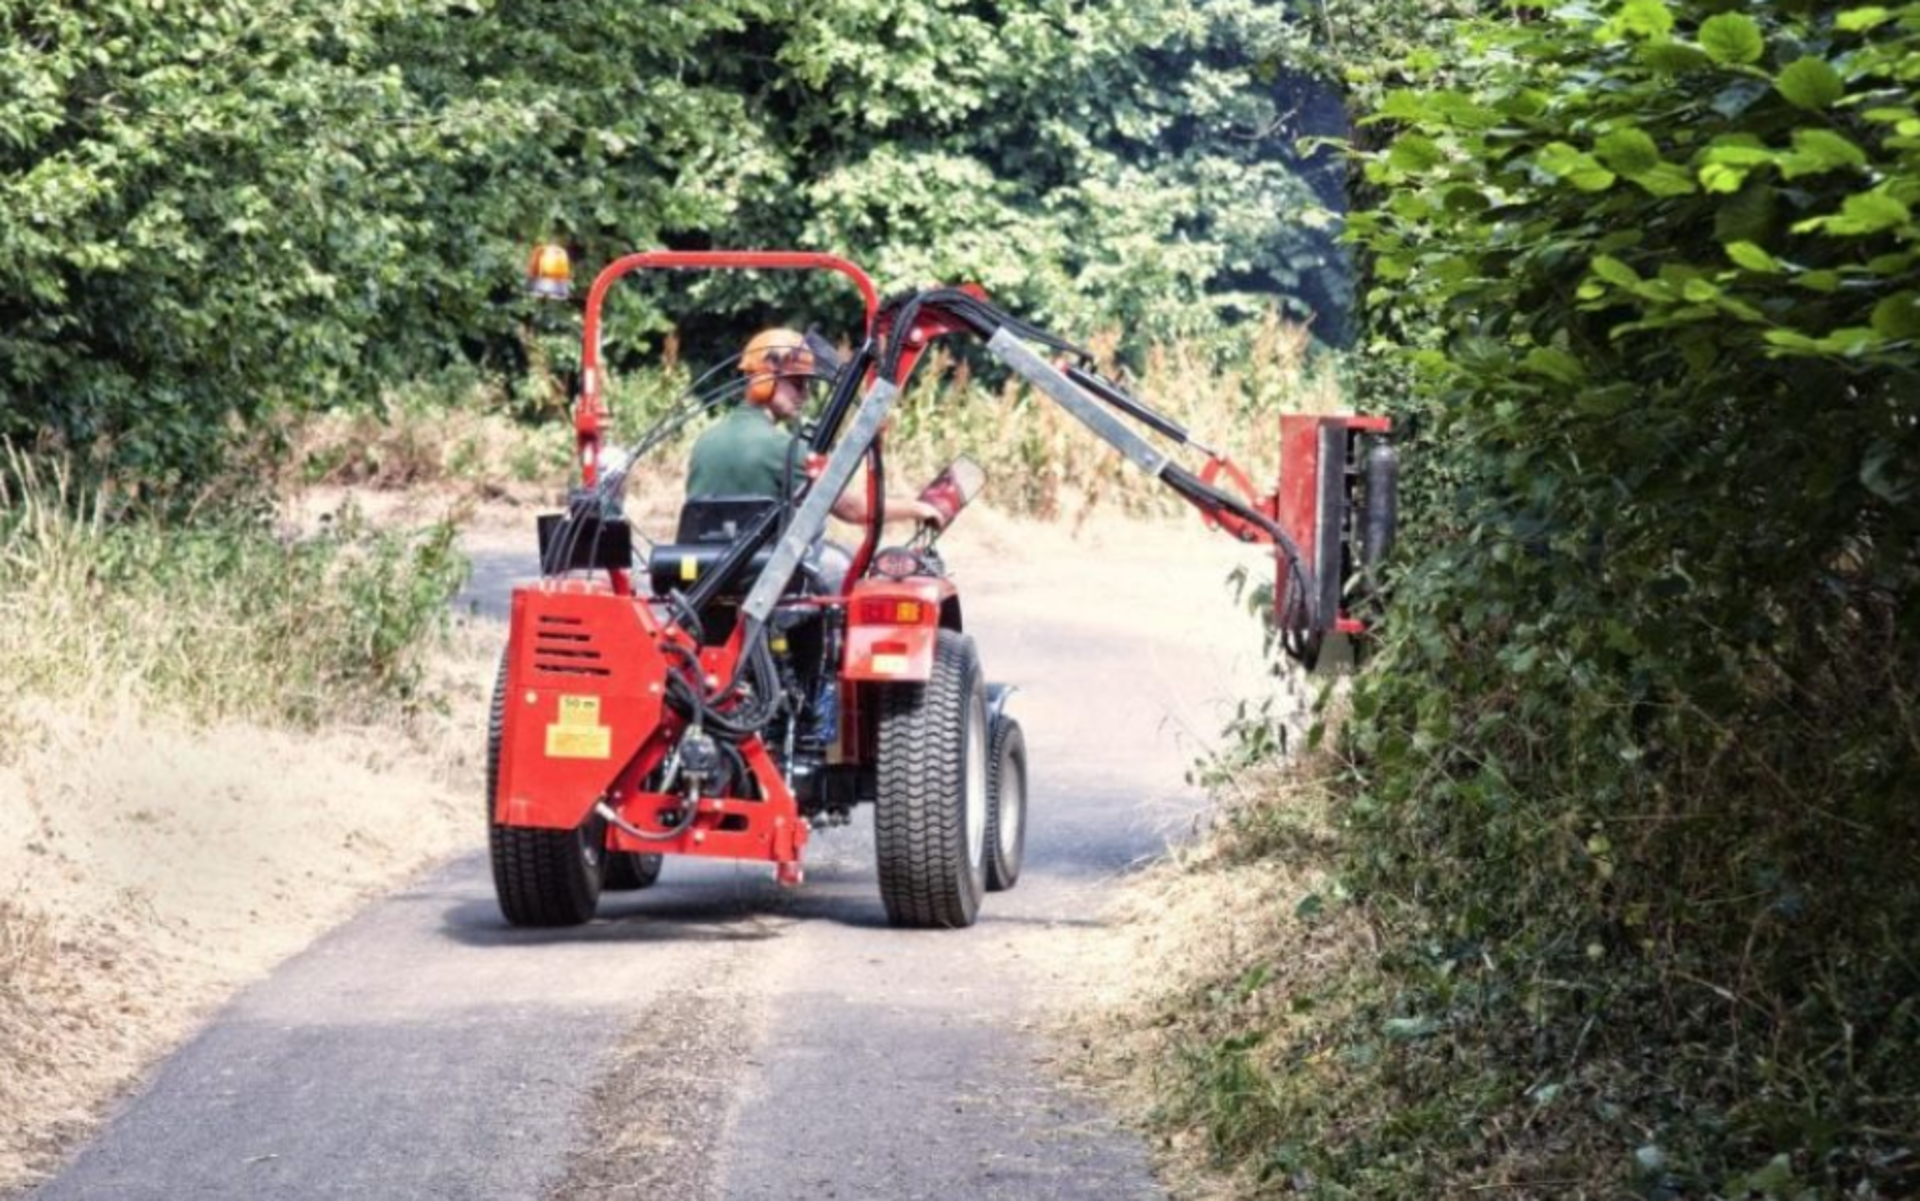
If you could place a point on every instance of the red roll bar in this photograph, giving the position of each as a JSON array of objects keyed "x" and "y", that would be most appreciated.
[{"x": 591, "y": 412}]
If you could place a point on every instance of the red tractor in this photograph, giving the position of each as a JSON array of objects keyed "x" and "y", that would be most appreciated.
[{"x": 722, "y": 695}]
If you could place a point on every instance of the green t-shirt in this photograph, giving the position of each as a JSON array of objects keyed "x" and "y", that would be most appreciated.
[{"x": 744, "y": 454}]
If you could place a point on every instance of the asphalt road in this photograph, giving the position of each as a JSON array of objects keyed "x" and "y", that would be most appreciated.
[{"x": 717, "y": 1037}]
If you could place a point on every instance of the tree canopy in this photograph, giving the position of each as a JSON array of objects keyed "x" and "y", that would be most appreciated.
[{"x": 211, "y": 212}]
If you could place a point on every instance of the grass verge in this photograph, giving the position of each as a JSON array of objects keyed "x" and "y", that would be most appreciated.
[
  {"x": 1302, "y": 1035},
  {"x": 213, "y": 741}
]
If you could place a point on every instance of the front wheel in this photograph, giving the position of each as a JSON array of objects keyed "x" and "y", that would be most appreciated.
[
  {"x": 931, "y": 812},
  {"x": 1007, "y": 814}
]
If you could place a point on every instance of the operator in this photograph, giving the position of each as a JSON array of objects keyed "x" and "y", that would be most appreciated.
[{"x": 747, "y": 453}]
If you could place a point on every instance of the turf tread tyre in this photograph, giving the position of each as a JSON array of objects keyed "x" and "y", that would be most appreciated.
[
  {"x": 927, "y": 876},
  {"x": 1006, "y": 759},
  {"x": 540, "y": 877}
]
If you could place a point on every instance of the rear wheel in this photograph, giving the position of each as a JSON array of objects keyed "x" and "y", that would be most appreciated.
[
  {"x": 541, "y": 877},
  {"x": 1007, "y": 811},
  {"x": 930, "y": 816},
  {"x": 629, "y": 870}
]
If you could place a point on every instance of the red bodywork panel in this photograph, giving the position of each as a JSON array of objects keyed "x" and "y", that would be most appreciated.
[
  {"x": 586, "y": 719},
  {"x": 880, "y": 646},
  {"x": 585, "y": 682}
]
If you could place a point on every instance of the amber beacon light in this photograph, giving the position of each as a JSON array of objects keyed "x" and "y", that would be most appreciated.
[{"x": 550, "y": 272}]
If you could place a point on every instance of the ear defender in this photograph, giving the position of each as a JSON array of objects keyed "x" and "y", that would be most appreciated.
[{"x": 771, "y": 354}]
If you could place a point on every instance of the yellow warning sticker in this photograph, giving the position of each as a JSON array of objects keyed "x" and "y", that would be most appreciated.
[
  {"x": 689, "y": 567},
  {"x": 577, "y": 733},
  {"x": 566, "y": 743}
]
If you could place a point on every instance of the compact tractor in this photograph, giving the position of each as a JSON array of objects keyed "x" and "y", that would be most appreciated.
[{"x": 723, "y": 694}]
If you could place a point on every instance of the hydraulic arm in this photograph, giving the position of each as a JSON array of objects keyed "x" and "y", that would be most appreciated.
[{"x": 1330, "y": 523}]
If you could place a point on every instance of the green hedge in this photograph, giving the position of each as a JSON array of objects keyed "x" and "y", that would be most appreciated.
[{"x": 1636, "y": 772}]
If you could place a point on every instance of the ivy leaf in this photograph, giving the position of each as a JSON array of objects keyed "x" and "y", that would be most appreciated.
[
  {"x": 1811, "y": 84},
  {"x": 1673, "y": 58},
  {"x": 1753, "y": 258},
  {"x": 1732, "y": 38},
  {"x": 1816, "y": 151},
  {"x": 1787, "y": 339},
  {"x": 1722, "y": 179},
  {"x": 1643, "y": 18},
  {"x": 1861, "y": 214},
  {"x": 1555, "y": 364},
  {"x": 1746, "y": 152},
  {"x": 1413, "y": 153},
  {"x": 1615, "y": 272},
  {"x": 1665, "y": 180},
  {"x": 1892, "y": 264},
  {"x": 1859, "y": 20},
  {"x": 1728, "y": 163}
]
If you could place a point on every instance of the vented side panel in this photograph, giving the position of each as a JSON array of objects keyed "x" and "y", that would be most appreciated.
[
  {"x": 566, "y": 646},
  {"x": 585, "y": 691}
]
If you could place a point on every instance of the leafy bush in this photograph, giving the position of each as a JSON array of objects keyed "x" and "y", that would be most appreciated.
[
  {"x": 211, "y": 215},
  {"x": 1634, "y": 783}
]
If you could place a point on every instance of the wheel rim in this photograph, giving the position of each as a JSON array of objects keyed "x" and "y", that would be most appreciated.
[
  {"x": 1013, "y": 807},
  {"x": 976, "y": 799}
]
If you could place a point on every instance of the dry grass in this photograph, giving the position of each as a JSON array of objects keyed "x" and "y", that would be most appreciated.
[
  {"x": 69, "y": 1003},
  {"x": 145, "y": 885},
  {"x": 218, "y": 620},
  {"x": 1040, "y": 461},
  {"x": 464, "y": 446},
  {"x": 1250, "y": 943},
  {"x": 213, "y": 743}
]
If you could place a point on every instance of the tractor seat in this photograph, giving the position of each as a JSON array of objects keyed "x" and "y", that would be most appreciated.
[
  {"x": 721, "y": 518},
  {"x": 709, "y": 526}
]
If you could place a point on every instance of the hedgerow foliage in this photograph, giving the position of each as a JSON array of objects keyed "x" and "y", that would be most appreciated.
[
  {"x": 211, "y": 213},
  {"x": 1637, "y": 768}
]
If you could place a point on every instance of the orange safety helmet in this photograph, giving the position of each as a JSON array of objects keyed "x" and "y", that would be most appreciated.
[{"x": 785, "y": 345}]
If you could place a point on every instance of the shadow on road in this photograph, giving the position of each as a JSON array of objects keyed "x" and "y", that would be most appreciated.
[{"x": 683, "y": 916}]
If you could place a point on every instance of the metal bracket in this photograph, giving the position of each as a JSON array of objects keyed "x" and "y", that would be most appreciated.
[{"x": 1044, "y": 376}]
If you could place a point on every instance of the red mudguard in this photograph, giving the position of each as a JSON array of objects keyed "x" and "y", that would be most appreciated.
[{"x": 890, "y": 629}]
